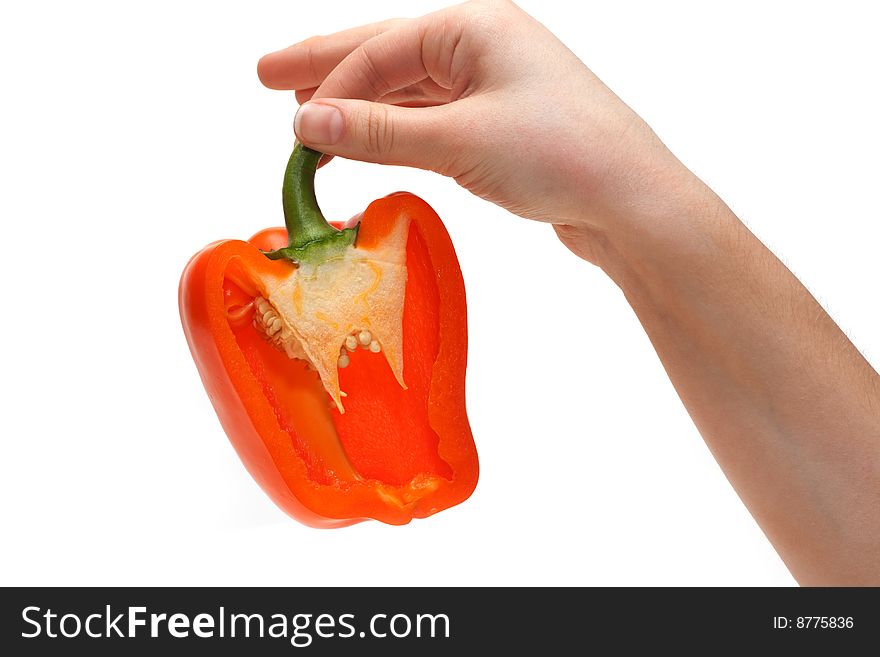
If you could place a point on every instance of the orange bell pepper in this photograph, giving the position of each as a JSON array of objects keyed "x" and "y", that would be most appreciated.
[{"x": 336, "y": 363}]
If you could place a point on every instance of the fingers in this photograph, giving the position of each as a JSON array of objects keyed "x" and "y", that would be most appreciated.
[
  {"x": 338, "y": 78},
  {"x": 426, "y": 93},
  {"x": 421, "y": 94},
  {"x": 305, "y": 65},
  {"x": 377, "y": 132},
  {"x": 305, "y": 95},
  {"x": 386, "y": 63}
]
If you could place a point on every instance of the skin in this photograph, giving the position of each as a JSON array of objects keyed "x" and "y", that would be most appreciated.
[{"x": 787, "y": 405}]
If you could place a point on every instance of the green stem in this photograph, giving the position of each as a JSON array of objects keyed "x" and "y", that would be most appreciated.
[
  {"x": 310, "y": 237},
  {"x": 303, "y": 217}
]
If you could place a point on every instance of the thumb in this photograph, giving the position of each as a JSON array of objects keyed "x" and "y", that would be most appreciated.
[{"x": 420, "y": 137}]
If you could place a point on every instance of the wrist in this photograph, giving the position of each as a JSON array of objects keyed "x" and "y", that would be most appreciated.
[{"x": 669, "y": 221}]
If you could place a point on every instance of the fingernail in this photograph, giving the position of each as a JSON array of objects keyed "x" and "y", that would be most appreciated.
[{"x": 318, "y": 124}]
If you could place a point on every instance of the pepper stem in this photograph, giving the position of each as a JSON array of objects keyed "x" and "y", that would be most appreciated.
[{"x": 310, "y": 237}]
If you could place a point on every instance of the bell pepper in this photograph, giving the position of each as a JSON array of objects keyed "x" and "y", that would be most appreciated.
[{"x": 335, "y": 357}]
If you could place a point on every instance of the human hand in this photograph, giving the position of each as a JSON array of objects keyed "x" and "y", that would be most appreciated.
[{"x": 485, "y": 94}]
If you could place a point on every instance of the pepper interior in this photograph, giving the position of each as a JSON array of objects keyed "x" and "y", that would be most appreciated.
[{"x": 385, "y": 432}]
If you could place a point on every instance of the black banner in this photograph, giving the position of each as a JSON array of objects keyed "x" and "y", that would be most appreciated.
[{"x": 319, "y": 621}]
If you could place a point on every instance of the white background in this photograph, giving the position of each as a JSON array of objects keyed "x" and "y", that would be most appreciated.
[{"x": 133, "y": 134}]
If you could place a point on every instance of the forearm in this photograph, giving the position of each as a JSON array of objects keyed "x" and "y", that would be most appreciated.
[
  {"x": 788, "y": 406},
  {"x": 785, "y": 402}
]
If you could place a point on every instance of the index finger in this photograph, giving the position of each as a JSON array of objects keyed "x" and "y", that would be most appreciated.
[{"x": 304, "y": 65}]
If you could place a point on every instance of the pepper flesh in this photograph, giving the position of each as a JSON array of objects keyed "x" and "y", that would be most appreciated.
[{"x": 397, "y": 453}]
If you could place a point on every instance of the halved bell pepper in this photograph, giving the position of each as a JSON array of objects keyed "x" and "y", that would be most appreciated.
[{"x": 335, "y": 357}]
